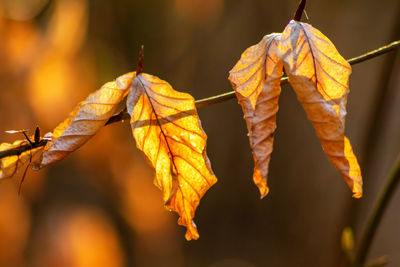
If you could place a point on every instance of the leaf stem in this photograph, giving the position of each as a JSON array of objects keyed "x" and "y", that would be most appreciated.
[
  {"x": 210, "y": 100},
  {"x": 376, "y": 216}
]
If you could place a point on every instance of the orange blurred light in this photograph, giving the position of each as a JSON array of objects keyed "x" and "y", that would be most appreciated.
[
  {"x": 14, "y": 225},
  {"x": 79, "y": 237},
  {"x": 201, "y": 11}
]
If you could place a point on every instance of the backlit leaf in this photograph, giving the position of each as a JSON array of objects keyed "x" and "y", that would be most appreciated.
[
  {"x": 86, "y": 119},
  {"x": 320, "y": 77},
  {"x": 166, "y": 128},
  {"x": 256, "y": 80}
]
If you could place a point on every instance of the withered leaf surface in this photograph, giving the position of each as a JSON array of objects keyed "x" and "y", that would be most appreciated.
[
  {"x": 86, "y": 119},
  {"x": 256, "y": 80},
  {"x": 9, "y": 165},
  {"x": 320, "y": 77},
  {"x": 166, "y": 128}
]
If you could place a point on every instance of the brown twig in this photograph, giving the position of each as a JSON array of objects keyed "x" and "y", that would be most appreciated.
[
  {"x": 210, "y": 100},
  {"x": 22, "y": 148},
  {"x": 139, "y": 68},
  {"x": 374, "y": 53},
  {"x": 352, "y": 61},
  {"x": 299, "y": 11}
]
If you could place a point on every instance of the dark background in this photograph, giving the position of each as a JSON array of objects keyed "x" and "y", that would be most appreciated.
[{"x": 98, "y": 207}]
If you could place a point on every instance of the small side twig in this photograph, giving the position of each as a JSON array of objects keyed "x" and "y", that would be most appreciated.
[{"x": 123, "y": 115}]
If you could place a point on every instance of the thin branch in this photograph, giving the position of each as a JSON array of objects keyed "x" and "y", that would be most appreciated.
[
  {"x": 376, "y": 216},
  {"x": 22, "y": 148},
  {"x": 211, "y": 100},
  {"x": 352, "y": 61},
  {"x": 377, "y": 52}
]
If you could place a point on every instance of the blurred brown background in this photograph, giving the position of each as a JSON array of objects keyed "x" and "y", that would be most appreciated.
[{"x": 98, "y": 207}]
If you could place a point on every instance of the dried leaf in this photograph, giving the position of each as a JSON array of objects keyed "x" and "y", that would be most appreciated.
[
  {"x": 86, "y": 119},
  {"x": 166, "y": 128},
  {"x": 10, "y": 165},
  {"x": 320, "y": 77},
  {"x": 256, "y": 80}
]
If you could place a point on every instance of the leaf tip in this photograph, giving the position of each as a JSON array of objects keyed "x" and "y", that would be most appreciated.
[
  {"x": 261, "y": 182},
  {"x": 264, "y": 192},
  {"x": 191, "y": 232},
  {"x": 357, "y": 189},
  {"x": 357, "y": 194}
]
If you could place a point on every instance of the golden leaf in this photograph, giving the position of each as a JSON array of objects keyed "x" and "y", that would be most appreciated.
[
  {"x": 86, "y": 119},
  {"x": 256, "y": 80},
  {"x": 320, "y": 77},
  {"x": 9, "y": 165},
  {"x": 166, "y": 128}
]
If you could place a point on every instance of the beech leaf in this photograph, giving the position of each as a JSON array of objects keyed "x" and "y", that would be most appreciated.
[
  {"x": 167, "y": 129},
  {"x": 320, "y": 77},
  {"x": 256, "y": 80},
  {"x": 85, "y": 120}
]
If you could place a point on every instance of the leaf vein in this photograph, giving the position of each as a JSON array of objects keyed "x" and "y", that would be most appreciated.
[{"x": 195, "y": 168}]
